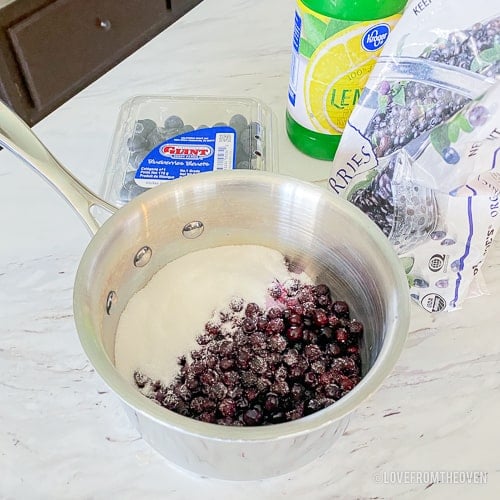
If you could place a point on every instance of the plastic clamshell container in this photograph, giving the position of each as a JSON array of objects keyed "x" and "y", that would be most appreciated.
[{"x": 161, "y": 138}]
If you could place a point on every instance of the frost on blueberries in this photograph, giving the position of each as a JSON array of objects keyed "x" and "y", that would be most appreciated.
[{"x": 258, "y": 367}]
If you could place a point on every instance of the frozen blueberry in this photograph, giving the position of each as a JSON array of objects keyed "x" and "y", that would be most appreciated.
[
  {"x": 340, "y": 308},
  {"x": 263, "y": 368},
  {"x": 219, "y": 124},
  {"x": 140, "y": 379},
  {"x": 253, "y": 416}
]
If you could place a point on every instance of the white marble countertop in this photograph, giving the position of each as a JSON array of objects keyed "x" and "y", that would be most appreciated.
[{"x": 63, "y": 434}]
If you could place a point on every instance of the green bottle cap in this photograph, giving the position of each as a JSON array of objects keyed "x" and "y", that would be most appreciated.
[{"x": 356, "y": 10}]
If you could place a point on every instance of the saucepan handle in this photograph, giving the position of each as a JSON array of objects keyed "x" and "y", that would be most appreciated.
[{"x": 17, "y": 136}]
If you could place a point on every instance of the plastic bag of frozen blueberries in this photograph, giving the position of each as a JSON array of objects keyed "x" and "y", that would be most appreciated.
[{"x": 420, "y": 154}]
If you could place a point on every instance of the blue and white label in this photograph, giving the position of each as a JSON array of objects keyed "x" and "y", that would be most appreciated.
[
  {"x": 203, "y": 150},
  {"x": 185, "y": 151},
  {"x": 375, "y": 37},
  {"x": 294, "y": 65},
  {"x": 297, "y": 29}
]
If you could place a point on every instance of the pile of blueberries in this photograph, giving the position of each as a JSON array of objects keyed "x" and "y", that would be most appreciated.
[
  {"x": 404, "y": 211},
  {"x": 410, "y": 109},
  {"x": 256, "y": 367},
  {"x": 147, "y": 134},
  {"x": 376, "y": 200}
]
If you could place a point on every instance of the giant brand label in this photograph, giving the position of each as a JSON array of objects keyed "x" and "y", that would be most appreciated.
[
  {"x": 194, "y": 152},
  {"x": 186, "y": 151}
]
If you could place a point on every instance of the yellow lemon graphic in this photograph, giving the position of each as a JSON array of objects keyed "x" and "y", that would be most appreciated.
[{"x": 334, "y": 77}]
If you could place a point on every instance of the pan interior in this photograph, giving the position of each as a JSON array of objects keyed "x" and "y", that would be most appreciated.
[{"x": 329, "y": 239}]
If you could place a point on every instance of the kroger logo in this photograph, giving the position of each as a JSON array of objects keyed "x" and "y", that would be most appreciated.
[
  {"x": 183, "y": 152},
  {"x": 375, "y": 37}
]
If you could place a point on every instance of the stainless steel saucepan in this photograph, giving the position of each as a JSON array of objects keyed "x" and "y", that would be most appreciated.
[{"x": 331, "y": 239}]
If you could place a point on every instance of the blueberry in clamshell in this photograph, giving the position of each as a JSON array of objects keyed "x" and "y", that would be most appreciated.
[
  {"x": 238, "y": 122},
  {"x": 156, "y": 136},
  {"x": 240, "y": 154},
  {"x": 173, "y": 121},
  {"x": 167, "y": 133},
  {"x": 144, "y": 127},
  {"x": 243, "y": 165},
  {"x": 137, "y": 143},
  {"x": 136, "y": 158},
  {"x": 186, "y": 128},
  {"x": 129, "y": 179},
  {"x": 130, "y": 188}
]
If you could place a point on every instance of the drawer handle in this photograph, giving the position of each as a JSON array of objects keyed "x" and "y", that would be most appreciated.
[{"x": 105, "y": 24}]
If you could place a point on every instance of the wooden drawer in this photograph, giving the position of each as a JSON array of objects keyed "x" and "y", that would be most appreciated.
[
  {"x": 69, "y": 43},
  {"x": 179, "y": 7}
]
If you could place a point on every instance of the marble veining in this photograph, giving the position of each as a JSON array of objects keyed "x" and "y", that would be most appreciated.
[{"x": 64, "y": 434}]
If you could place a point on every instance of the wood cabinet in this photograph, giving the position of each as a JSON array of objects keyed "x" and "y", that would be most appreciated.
[{"x": 50, "y": 50}]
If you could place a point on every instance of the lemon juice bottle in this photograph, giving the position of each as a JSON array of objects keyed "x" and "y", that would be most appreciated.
[{"x": 335, "y": 45}]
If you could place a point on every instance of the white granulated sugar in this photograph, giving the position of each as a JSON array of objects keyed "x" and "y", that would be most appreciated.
[{"x": 163, "y": 320}]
